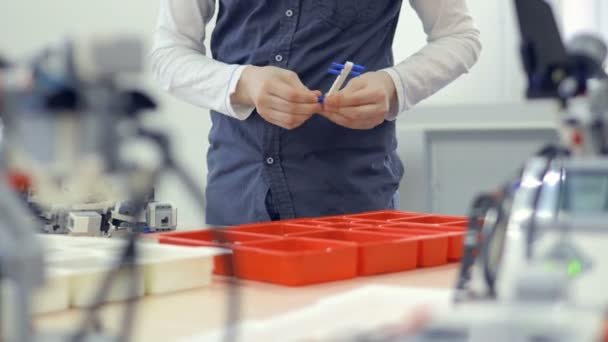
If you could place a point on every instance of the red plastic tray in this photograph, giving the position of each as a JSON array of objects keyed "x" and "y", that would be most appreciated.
[
  {"x": 315, "y": 250},
  {"x": 217, "y": 238},
  {"x": 386, "y": 215},
  {"x": 438, "y": 219},
  {"x": 456, "y": 235},
  {"x": 378, "y": 253},
  {"x": 278, "y": 228},
  {"x": 432, "y": 247},
  {"x": 296, "y": 261}
]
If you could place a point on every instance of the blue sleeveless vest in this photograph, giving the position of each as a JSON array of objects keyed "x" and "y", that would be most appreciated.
[{"x": 258, "y": 171}]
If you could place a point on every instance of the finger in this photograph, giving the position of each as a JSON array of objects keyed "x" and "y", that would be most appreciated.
[
  {"x": 356, "y": 84},
  {"x": 293, "y": 94},
  {"x": 360, "y": 113},
  {"x": 357, "y": 125},
  {"x": 284, "y": 120},
  {"x": 348, "y": 98},
  {"x": 284, "y": 106},
  {"x": 364, "y": 112},
  {"x": 292, "y": 79},
  {"x": 349, "y": 122}
]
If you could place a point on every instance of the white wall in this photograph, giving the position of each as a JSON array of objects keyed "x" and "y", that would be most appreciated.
[
  {"x": 496, "y": 77},
  {"x": 25, "y": 25}
]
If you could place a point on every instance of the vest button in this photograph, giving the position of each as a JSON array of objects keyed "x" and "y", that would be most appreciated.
[
  {"x": 289, "y": 13},
  {"x": 278, "y": 58},
  {"x": 269, "y": 160}
]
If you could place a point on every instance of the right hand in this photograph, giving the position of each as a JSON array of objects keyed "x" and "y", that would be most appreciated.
[{"x": 278, "y": 95}]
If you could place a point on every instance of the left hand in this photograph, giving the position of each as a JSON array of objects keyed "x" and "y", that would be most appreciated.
[{"x": 363, "y": 103}]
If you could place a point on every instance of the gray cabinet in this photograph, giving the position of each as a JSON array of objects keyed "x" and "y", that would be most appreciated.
[{"x": 452, "y": 154}]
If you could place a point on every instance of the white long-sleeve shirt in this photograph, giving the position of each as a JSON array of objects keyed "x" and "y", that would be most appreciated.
[{"x": 180, "y": 63}]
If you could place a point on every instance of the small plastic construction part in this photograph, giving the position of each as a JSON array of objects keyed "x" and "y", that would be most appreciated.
[
  {"x": 342, "y": 71},
  {"x": 296, "y": 261},
  {"x": 455, "y": 235},
  {"x": 280, "y": 229},
  {"x": 432, "y": 248},
  {"x": 356, "y": 67},
  {"x": 377, "y": 253}
]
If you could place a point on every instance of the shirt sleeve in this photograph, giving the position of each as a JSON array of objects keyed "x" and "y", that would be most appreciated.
[
  {"x": 452, "y": 50},
  {"x": 179, "y": 60}
]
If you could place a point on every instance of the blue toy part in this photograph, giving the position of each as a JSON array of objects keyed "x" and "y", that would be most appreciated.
[
  {"x": 336, "y": 70},
  {"x": 356, "y": 67}
]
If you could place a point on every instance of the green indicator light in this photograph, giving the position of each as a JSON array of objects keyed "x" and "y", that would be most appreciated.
[{"x": 575, "y": 267}]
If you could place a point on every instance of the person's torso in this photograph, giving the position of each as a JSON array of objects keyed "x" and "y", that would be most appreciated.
[{"x": 319, "y": 168}]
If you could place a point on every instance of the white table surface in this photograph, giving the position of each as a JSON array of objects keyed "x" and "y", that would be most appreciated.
[{"x": 184, "y": 314}]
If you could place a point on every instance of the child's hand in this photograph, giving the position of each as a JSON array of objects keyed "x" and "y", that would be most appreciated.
[
  {"x": 363, "y": 103},
  {"x": 278, "y": 95}
]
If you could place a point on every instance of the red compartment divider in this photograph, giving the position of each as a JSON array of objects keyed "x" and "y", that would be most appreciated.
[
  {"x": 386, "y": 216},
  {"x": 332, "y": 219},
  {"x": 377, "y": 253},
  {"x": 371, "y": 223},
  {"x": 432, "y": 248},
  {"x": 278, "y": 228},
  {"x": 346, "y": 226},
  {"x": 464, "y": 225},
  {"x": 217, "y": 238},
  {"x": 456, "y": 238},
  {"x": 456, "y": 247},
  {"x": 213, "y": 238},
  {"x": 437, "y": 219},
  {"x": 455, "y": 235},
  {"x": 296, "y": 261}
]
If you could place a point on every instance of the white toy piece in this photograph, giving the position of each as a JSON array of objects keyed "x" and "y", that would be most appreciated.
[
  {"x": 84, "y": 223},
  {"x": 348, "y": 67},
  {"x": 342, "y": 71},
  {"x": 161, "y": 216}
]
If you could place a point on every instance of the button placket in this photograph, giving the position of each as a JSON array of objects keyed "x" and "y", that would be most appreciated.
[{"x": 274, "y": 170}]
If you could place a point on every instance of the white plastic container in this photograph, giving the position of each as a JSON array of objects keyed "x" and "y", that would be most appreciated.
[
  {"x": 85, "y": 262},
  {"x": 172, "y": 268},
  {"x": 88, "y": 268},
  {"x": 55, "y": 295}
]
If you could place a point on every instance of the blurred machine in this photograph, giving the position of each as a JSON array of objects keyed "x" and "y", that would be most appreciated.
[
  {"x": 536, "y": 261},
  {"x": 109, "y": 219},
  {"x": 67, "y": 115},
  {"x": 67, "y": 119}
]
